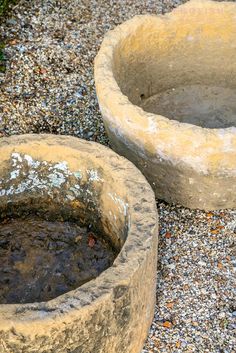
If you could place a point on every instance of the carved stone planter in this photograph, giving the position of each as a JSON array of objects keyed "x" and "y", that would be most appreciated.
[
  {"x": 166, "y": 87},
  {"x": 64, "y": 178}
]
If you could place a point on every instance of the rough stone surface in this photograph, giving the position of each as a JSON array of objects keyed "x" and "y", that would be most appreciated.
[
  {"x": 185, "y": 163},
  {"x": 113, "y": 312}
]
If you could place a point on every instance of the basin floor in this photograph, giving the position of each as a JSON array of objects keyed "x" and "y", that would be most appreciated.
[
  {"x": 41, "y": 260},
  {"x": 205, "y": 106}
]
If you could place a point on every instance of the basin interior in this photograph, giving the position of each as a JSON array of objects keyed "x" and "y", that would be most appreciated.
[
  {"x": 181, "y": 67},
  {"x": 56, "y": 232},
  {"x": 42, "y": 259}
]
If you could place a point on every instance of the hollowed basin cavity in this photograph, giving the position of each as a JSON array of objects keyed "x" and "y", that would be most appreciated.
[
  {"x": 166, "y": 86},
  {"x": 66, "y": 204},
  {"x": 44, "y": 258}
]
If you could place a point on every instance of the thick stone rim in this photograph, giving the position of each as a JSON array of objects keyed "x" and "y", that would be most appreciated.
[
  {"x": 216, "y": 148},
  {"x": 31, "y": 318}
]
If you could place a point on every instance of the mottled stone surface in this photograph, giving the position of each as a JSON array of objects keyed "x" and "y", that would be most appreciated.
[
  {"x": 65, "y": 176},
  {"x": 193, "y": 165}
]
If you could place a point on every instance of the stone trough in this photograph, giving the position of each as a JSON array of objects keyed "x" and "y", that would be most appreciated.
[
  {"x": 64, "y": 180},
  {"x": 166, "y": 87}
]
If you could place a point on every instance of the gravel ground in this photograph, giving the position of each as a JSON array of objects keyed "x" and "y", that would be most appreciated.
[{"x": 49, "y": 87}]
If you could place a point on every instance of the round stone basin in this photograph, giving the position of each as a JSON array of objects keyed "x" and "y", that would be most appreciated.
[
  {"x": 166, "y": 87},
  {"x": 78, "y": 245}
]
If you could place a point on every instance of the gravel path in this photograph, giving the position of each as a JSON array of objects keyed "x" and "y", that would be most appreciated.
[{"x": 48, "y": 87}]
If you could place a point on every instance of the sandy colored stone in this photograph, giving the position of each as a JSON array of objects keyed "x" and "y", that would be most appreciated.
[
  {"x": 194, "y": 45},
  {"x": 113, "y": 312}
]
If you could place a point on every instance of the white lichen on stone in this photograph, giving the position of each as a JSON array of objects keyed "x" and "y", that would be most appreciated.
[
  {"x": 78, "y": 174},
  {"x": 122, "y": 205},
  {"x": 14, "y": 174},
  {"x": 93, "y": 175},
  {"x": 31, "y": 163},
  {"x": 75, "y": 189},
  {"x": 63, "y": 166},
  {"x": 2, "y": 192},
  {"x": 16, "y": 158},
  {"x": 57, "y": 179},
  {"x": 41, "y": 175},
  {"x": 70, "y": 197}
]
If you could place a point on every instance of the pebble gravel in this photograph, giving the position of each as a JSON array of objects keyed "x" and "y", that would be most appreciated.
[
  {"x": 48, "y": 87},
  {"x": 196, "y": 290}
]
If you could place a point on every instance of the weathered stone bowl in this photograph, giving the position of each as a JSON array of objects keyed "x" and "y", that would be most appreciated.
[
  {"x": 166, "y": 87},
  {"x": 71, "y": 178}
]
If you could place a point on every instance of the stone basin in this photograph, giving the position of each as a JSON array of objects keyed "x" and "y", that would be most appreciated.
[
  {"x": 166, "y": 87},
  {"x": 65, "y": 179}
]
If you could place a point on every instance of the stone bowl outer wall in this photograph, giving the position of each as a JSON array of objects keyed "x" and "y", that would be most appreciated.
[
  {"x": 184, "y": 163},
  {"x": 113, "y": 313}
]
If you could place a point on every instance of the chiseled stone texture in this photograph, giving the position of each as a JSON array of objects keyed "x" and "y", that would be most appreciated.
[
  {"x": 66, "y": 175},
  {"x": 195, "y": 44}
]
